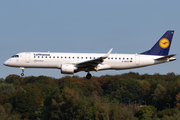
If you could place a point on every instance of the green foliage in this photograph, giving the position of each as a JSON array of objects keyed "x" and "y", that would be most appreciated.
[
  {"x": 8, "y": 107},
  {"x": 13, "y": 79},
  {"x": 1, "y": 80},
  {"x": 158, "y": 92},
  {"x": 125, "y": 90},
  {"x": 41, "y": 80},
  {"x": 2, "y": 110},
  {"x": 100, "y": 98},
  {"x": 167, "y": 112},
  {"x": 146, "y": 112},
  {"x": 6, "y": 88},
  {"x": 25, "y": 103}
]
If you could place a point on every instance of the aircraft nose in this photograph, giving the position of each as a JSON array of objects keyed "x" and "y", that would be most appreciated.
[{"x": 6, "y": 63}]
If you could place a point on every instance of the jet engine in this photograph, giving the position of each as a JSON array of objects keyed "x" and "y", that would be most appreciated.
[{"x": 68, "y": 68}]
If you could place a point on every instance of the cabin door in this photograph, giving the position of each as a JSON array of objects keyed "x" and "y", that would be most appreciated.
[
  {"x": 27, "y": 58},
  {"x": 137, "y": 59}
]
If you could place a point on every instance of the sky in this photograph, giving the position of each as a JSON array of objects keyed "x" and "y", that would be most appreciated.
[{"x": 127, "y": 26}]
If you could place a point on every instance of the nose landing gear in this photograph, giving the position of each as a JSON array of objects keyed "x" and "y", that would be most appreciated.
[
  {"x": 22, "y": 68},
  {"x": 22, "y": 74},
  {"x": 88, "y": 76}
]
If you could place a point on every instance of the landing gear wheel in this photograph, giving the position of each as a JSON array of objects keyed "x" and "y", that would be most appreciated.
[
  {"x": 88, "y": 76},
  {"x": 22, "y": 74}
]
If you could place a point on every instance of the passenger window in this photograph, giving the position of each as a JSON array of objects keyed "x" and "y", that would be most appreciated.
[
  {"x": 108, "y": 57},
  {"x": 86, "y": 57},
  {"x": 42, "y": 56},
  {"x": 34, "y": 56},
  {"x": 46, "y": 56},
  {"x": 49, "y": 56},
  {"x": 116, "y": 58},
  {"x": 73, "y": 57},
  {"x": 119, "y": 58},
  {"x": 127, "y": 58},
  {"x": 123, "y": 58},
  {"x": 38, "y": 56},
  {"x": 90, "y": 57},
  {"x": 69, "y": 57},
  {"x": 61, "y": 57},
  {"x": 81, "y": 57},
  {"x": 65, "y": 57},
  {"x": 112, "y": 58},
  {"x": 77, "y": 57}
]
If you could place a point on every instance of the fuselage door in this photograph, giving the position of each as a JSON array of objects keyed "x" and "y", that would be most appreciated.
[
  {"x": 27, "y": 58},
  {"x": 137, "y": 59}
]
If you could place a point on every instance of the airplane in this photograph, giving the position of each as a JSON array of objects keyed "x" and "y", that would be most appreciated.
[{"x": 70, "y": 63}]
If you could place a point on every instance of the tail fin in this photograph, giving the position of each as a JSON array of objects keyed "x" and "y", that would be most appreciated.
[{"x": 162, "y": 46}]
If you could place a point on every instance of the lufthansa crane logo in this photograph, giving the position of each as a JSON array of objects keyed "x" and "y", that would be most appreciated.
[{"x": 164, "y": 43}]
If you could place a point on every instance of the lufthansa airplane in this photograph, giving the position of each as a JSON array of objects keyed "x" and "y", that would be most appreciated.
[{"x": 71, "y": 63}]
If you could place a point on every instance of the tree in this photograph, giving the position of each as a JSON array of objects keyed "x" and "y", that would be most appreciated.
[
  {"x": 25, "y": 103},
  {"x": 1, "y": 80},
  {"x": 146, "y": 112},
  {"x": 177, "y": 102},
  {"x": 125, "y": 89},
  {"x": 6, "y": 88},
  {"x": 8, "y": 107},
  {"x": 159, "y": 91},
  {"x": 6, "y": 91},
  {"x": 2, "y": 110},
  {"x": 13, "y": 79},
  {"x": 64, "y": 103}
]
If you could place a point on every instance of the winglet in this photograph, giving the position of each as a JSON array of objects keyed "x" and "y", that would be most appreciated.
[{"x": 105, "y": 56}]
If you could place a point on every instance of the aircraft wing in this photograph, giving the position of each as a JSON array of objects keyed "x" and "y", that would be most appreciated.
[{"x": 94, "y": 62}]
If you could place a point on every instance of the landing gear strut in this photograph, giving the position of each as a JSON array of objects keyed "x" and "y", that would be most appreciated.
[
  {"x": 88, "y": 76},
  {"x": 22, "y": 74}
]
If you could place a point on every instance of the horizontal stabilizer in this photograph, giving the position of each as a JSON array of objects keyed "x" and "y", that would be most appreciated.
[{"x": 165, "y": 57}]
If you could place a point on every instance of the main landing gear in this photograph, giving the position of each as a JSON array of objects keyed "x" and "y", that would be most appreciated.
[
  {"x": 88, "y": 76},
  {"x": 22, "y": 74}
]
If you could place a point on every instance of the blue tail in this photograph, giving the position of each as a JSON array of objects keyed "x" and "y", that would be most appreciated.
[{"x": 162, "y": 46}]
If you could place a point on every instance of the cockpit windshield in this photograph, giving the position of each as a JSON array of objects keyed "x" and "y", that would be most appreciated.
[{"x": 15, "y": 56}]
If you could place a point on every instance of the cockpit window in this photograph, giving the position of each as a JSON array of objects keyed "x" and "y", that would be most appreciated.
[{"x": 15, "y": 56}]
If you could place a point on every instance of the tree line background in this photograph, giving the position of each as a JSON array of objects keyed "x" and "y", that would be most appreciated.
[{"x": 127, "y": 96}]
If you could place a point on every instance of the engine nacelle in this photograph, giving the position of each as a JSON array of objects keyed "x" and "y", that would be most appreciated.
[{"x": 68, "y": 69}]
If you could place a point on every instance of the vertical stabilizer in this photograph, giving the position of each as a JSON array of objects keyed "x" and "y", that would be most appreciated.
[{"x": 162, "y": 46}]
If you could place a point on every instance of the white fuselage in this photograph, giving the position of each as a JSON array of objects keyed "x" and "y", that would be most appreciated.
[{"x": 55, "y": 60}]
